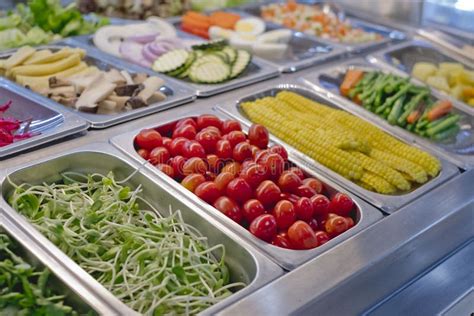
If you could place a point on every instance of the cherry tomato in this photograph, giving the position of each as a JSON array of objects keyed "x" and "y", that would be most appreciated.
[
  {"x": 229, "y": 208},
  {"x": 167, "y": 143},
  {"x": 268, "y": 193},
  {"x": 159, "y": 155},
  {"x": 177, "y": 146},
  {"x": 223, "y": 149},
  {"x": 302, "y": 236},
  {"x": 192, "y": 181},
  {"x": 242, "y": 152},
  {"x": 274, "y": 165},
  {"x": 284, "y": 214},
  {"x": 193, "y": 149},
  {"x": 207, "y": 191},
  {"x": 213, "y": 129},
  {"x": 230, "y": 125},
  {"x": 186, "y": 131},
  {"x": 255, "y": 150},
  {"x": 336, "y": 225},
  {"x": 148, "y": 139},
  {"x": 297, "y": 171},
  {"x": 315, "y": 184},
  {"x": 194, "y": 165},
  {"x": 341, "y": 204},
  {"x": 320, "y": 205},
  {"x": 260, "y": 155},
  {"x": 282, "y": 240},
  {"x": 144, "y": 153},
  {"x": 166, "y": 169},
  {"x": 236, "y": 137},
  {"x": 186, "y": 121},
  {"x": 264, "y": 227},
  {"x": 350, "y": 222},
  {"x": 222, "y": 180},
  {"x": 232, "y": 167},
  {"x": 239, "y": 190},
  {"x": 177, "y": 163},
  {"x": 210, "y": 176},
  {"x": 322, "y": 237},
  {"x": 290, "y": 197},
  {"x": 305, "y": 190},
  {"x": 252, "y": 209},
  {"x": 313, "y": 223},
  {"x": 206, "y": 120},
  {"x": 278, "y": 149},
  {"x": 289, "y": 182},
  {"x": 254, "y": 174},
  {"x": 304, "y": 209},
  {"x": 246, "y": 164},
  {"x": 208, "y": 140},
  {"x": 258, "y": 136},
  {"x": 214, "y": 163}
]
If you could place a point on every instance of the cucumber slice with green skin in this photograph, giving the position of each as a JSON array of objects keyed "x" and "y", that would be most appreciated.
[
  {"x": 210, "y": 72},
  {"x": 170, "y": 61},
  {"x": 211, "y": 45},
  {"x": 222, "y": 55},
  {"x": 208, "y": 58},
  {"x": 231, "y": 54},
  {"x": 241, "y": 63},
  {"x": 187, "y": 64}
]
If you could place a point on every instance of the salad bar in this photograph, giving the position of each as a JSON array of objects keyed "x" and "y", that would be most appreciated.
[{"x": 265, "y": 159}]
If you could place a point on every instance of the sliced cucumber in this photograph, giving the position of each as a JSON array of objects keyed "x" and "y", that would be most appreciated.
[
  {"x": 241, "y": 63},
  {"x": 231, "y": 54},
  {"x": 208, "y": 58},
  {"x": 222, "y": 55},
  {"x": 183, "y": 68},
  {"x": 170, "y": 61},
  {"x": 211, "y": 45},
  {"x": 209, "y": 72}
]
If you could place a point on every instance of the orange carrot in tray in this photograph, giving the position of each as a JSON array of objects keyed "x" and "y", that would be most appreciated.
[
  {"x": 196, "y": 31},
  {"x": 197, "y": 16},
  {"x": 352, "y": 77},
  {"x": 224, "y": 19},
  {"x": 441, "y": 108},
  {"x": 413, "y": 117},
  {"x": 195, "y": 24}
]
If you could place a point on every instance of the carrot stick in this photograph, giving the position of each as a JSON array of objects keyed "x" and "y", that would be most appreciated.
[
  {"x": 441, "y": 108},
  {"x": 413, "y": 117},
  {"x": 350, "y": 80},
  {"x": 224, "y": 19},
  {"x": 199, "y": 32},
  {"x": 197, "y": 16},
  {"x": 195, "y": 23}
]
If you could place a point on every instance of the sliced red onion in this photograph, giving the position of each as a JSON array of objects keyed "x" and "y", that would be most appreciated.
[
  {"x": 157, "y": 48},
  {"x": 143, "y": 39},
  {"x": 148, "y": 54},
  {"x": 132, "y": 51}
]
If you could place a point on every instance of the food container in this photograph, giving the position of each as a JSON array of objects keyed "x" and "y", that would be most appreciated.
[
  {"x": 52, "y": 123},
  {"x": 326, "y": 83},
  {"x": 387, "y": 203},
  {"x": 389, "y": 35},
  {"x": 245, "y": 263},
  {"x": 176, "y": 93},
  {"x": 402, "y": 58},
  {"x": 77, "y": 296},
  {"x": 257, "y": 70},
  {"x": 303, "y": 50},
  {"x": 288, "y": 259}
]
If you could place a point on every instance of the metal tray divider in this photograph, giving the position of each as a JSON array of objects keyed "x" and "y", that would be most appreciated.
[
  {"x": 287, "y": 259},
  {"x": 311, "y": 81},
  {"x": 266, "y": 270},
  {"x": 387, "y": 203}
]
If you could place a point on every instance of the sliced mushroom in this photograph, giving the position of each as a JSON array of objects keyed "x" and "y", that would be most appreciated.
[
  {"x": 127, "y": 77},
  {"x": 107, "y": 105},
  {"x": 140, "y": 77},
  {"x": 119, "y": 101},
  {"x": 152, "y": 84},
  {"x": 82, "y": 82},
  {"x": 129, "y": 90},
  {"x": 114, "y": 76},
  {"x": 97, "y": 91},
  {"x": 55, "y": 82},
  {"x": 136, "y": 102},
  {"x": 70, "y": 102},
  {"x": 158, "y": 96},
  {"x": 63, "y": 91}
]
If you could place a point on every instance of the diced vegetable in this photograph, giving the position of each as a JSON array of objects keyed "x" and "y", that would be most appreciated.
[
  {"x": 11, "y": 129},
  {"x": 352, "y": 77}
]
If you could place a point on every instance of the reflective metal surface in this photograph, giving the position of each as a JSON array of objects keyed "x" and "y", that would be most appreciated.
[
  {"x": 245, "y": 263},
  {"x": 286, "y": 258},
  {"x": 388, "y": 203},
  {"x": 458, "y": 150}
]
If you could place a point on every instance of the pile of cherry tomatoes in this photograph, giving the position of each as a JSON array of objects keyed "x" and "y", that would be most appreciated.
[{"x": 253, "y": 184}]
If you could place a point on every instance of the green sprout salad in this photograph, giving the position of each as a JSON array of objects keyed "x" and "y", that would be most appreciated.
[
  {"x": 155, "y": 264},
  {"x": 25, "y": 290}
]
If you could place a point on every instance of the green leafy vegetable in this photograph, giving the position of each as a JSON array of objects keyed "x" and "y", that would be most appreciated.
[{"x": 156, "y": 265}]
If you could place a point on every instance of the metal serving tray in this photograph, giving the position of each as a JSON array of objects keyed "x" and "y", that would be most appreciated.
[
  {"x": 389, "y": 34},
  {"x": 63, "y": 283},
  {"x": 303, "y": 50},
  {"x": 326, "y": 83},
  {"x": 245, "y": 263},
  {"x": 288, "y": 259},
  {"x": 402, "y": 58},
  {"x": 51, "y": 123},
  {"x": 177, "y": 93},
  {"x": 388, "y": 203},
  {"x": 257, "y": 70}
]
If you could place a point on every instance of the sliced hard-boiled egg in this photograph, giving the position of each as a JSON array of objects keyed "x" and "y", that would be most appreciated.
[
  {"x": 217, "y": 32},
  {"x": 269, "y": 50},
  {"x": 253, "y": 26},
  {"x": 243, "y": 41},
  {"x": 276, "y": 36}
]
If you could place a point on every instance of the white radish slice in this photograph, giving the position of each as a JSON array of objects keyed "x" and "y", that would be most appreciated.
[{"x": 132, "y": 52}]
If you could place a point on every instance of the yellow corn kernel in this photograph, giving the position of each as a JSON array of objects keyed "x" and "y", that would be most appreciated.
[
  {"x": 414, "y": 171},
  {"x": 378, "y": 184}
]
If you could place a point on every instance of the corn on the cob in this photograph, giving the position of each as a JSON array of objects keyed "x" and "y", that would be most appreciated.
[
  {"x": 379, "y": 185},
  {"x": 414, "y": 172}
]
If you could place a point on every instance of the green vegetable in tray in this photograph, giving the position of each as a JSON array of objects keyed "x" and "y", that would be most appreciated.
[
  {"x": 25, "y": 290},
  {"x": 401, "y": 103},
  {"x": 155, "y": 264}
]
